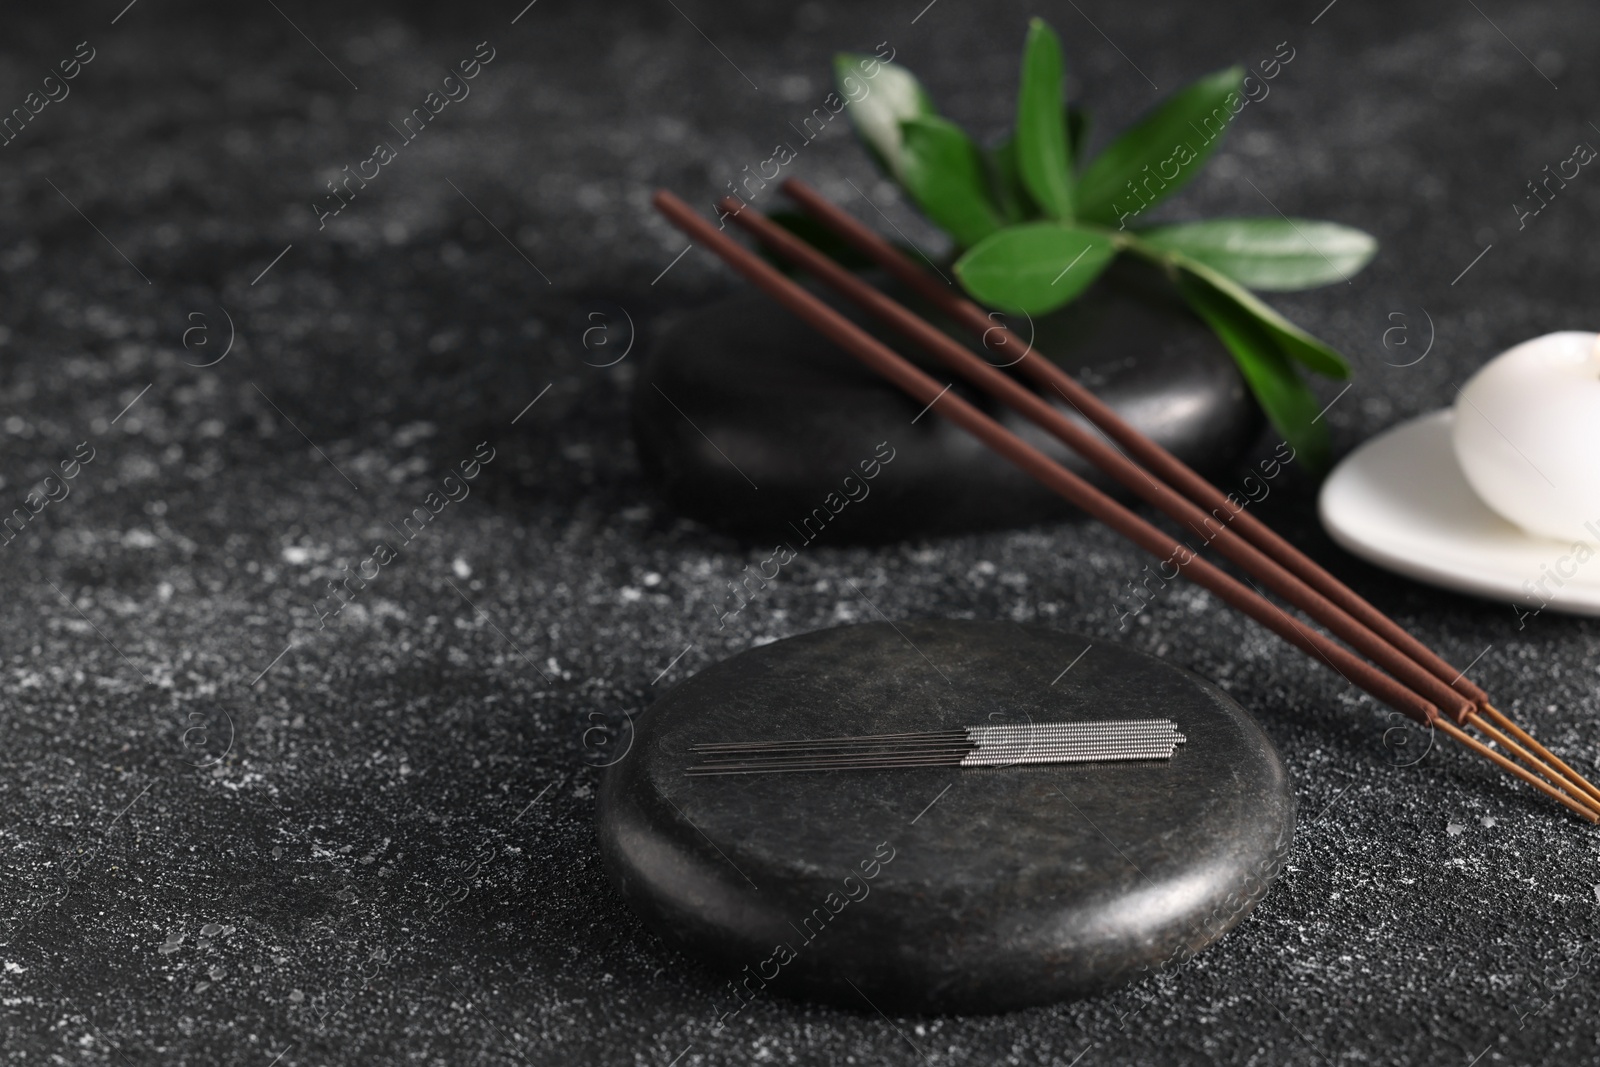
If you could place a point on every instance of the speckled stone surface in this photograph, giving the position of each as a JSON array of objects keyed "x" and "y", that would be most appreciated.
[
  {"x": 937, "y": 889},
  {"x": 362, "y": 879}
]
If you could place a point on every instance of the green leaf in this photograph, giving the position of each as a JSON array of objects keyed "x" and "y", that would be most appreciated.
[
  {"x": 1294, "y": 341},
  {"x": 1290, "y": 405},
  {"x": 1077, "y": 134},
  {"x": 817, "y": 236},
  {"x": 1013, "y": 200},
  {"x": 1270, "y": 254},
  {"x": 1009, "y": 196},
  {"x": 1161, "y": 151},
  {"x": 878, "y": 105},
  {"x": 1035, "y": 267},
  {"x": 1041, "y": 135},
  {"x": 943, "y": 172}
]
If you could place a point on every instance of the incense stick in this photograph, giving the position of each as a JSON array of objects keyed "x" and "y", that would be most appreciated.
[
  {"x": 1197, "y": 489},
  {"x": 1211, "y": 527},
  {"x": 1035, "y": 463},
  {"x": 1178, "y": 474},
  {"x": 1401, "y": 694},
  {"x": 1289, "y": 583},
  {"x": 1164, "y": 464},
  {"x": 1543, "y": 752}
]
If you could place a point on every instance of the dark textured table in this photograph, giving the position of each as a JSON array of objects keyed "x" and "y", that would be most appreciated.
[{"x": 239, "y": 828}]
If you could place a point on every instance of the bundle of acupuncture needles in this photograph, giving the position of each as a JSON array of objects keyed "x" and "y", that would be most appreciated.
[
  {"x": 1364, "y": 645},
  {"x": 971, "y": 746}
]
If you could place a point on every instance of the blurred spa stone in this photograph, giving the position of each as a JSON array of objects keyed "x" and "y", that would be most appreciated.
[{"x": 749, "y": 421}]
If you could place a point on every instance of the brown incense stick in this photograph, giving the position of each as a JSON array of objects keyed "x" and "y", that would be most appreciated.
[
  {"x": 1190, "y": 483},
  {"x": 1210, "y": 528},
  {"x": 1288, "y": 582},
  {"x": 938, "y": 398},
  {"x": 919, "y": 385},
  {"x": 1543, "y": 753},
  {"x": 1458, "y": 734},
  {"x": 1164, "y": 464}
]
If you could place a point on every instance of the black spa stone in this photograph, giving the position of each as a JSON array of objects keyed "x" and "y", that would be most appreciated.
[
  {"x": 749, "y": 421},
  {"x": 942, "y": 889}
]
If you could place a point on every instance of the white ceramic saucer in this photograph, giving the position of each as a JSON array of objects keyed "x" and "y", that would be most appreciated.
[{"x": 1401, "y": 501}]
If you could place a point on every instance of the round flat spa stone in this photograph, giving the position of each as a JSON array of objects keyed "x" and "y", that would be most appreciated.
[
  {"x": 937, "y": 889},
  {"x": 749, "y": 421}
]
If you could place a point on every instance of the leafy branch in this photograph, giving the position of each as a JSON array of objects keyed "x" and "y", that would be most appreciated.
[{"x": 1037, "y": 220}]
